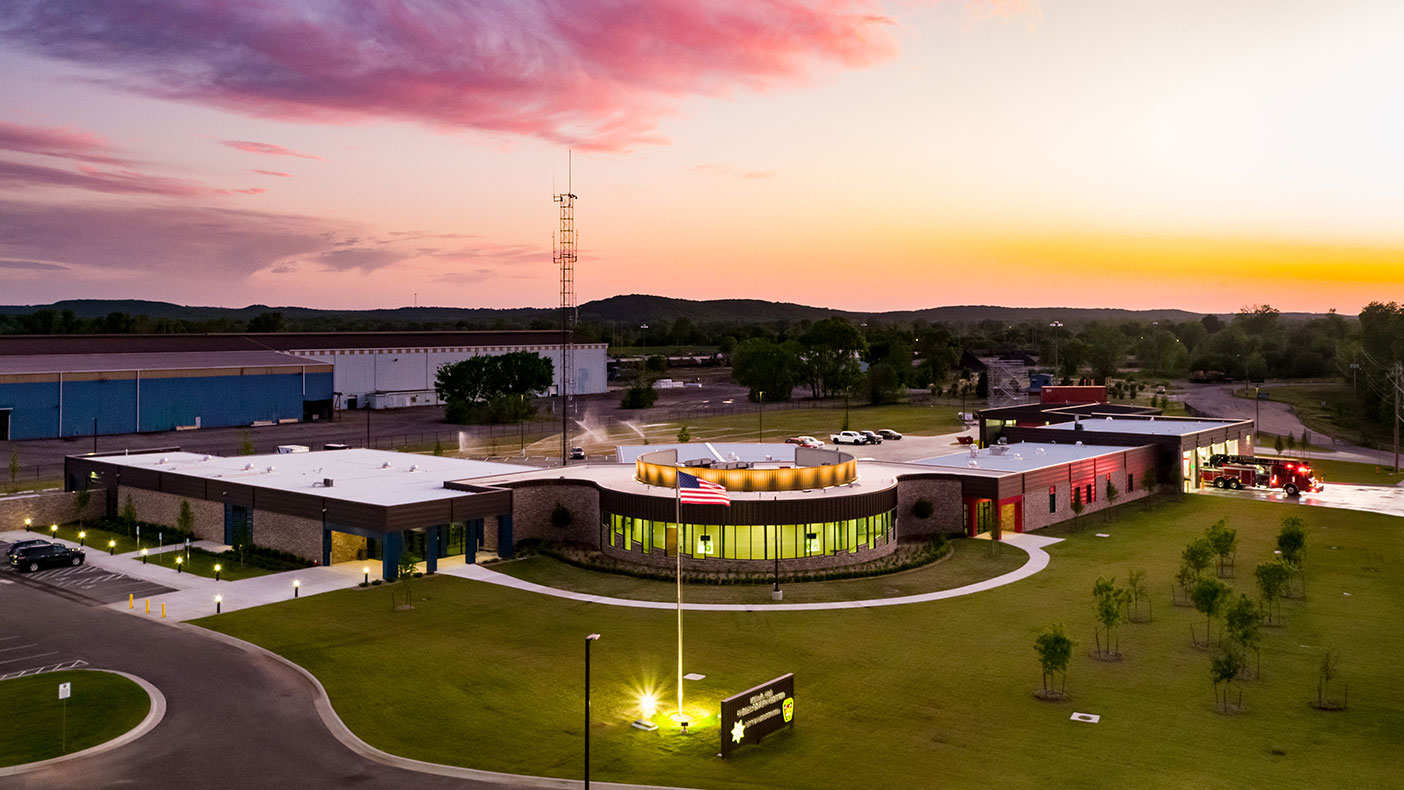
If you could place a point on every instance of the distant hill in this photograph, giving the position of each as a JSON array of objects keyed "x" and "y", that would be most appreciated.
[{"x": 631, "y": 308}]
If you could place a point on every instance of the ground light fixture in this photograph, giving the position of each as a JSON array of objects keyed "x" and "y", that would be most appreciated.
[
  {"x": 588, "y": 640},
  {"x": 179, "y": 561},
  {"x": 82, "y": 537},
  {"x": 366, "y": 572},
  {"x": 218, "y": 568},
  {"x": 143, "y": 556},
  {"x": 27, "y": 523},
  {"x": 296, "y": 584},
  {"x": 218, "y": 600},
  {"x": 53, "y": 530},
  {"x": 111, "y": 547},
  {"x": 648, "y": 708}
]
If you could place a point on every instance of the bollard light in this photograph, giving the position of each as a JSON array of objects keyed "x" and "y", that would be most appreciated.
[
  {"x": 296, "y": 584},
  {"x": 53, "y": 530},
  {"x": 27, "y": 523},
  {"x": 111, "y": 547},
  {"x": 143, "y": 556},
  {"x": 83, "y": 537},
  {"x": 179, "y": 562},
  {"x": 218, "y": 599},
  {"x": 366, "y": 571},
  {"x": 218, "y": 567}
]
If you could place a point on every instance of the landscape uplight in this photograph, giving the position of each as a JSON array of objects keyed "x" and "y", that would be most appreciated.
[
  {"x": 648, "y": 705},
  {"x": 296, "y": 584}
]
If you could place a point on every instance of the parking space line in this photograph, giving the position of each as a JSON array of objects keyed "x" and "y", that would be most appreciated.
[
  {"x": 26, "y": 658},
  {"x": 21, "y": 647},
  {"x": 75, "y": 664}
]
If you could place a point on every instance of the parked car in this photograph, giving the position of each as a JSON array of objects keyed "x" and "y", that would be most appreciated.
[
  {"x": 871, "y": 437},
  {"x": 32, "y": 558},
  {"x": 848, "y": 437},
  {"x": 577, "y": 453},
  {"x": 805, "y": 441},
  {"x": 888, "y": 433},
  {"x": 24, "y": 544}
]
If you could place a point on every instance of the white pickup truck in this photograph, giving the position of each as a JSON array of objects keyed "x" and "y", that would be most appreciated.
[{"x": 848, "y": 437}]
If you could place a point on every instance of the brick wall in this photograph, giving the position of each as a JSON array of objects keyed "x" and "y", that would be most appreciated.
[
  {"x": 55, "y": 507},
  {"x": 1036, "y": 515},
  {"x": 295, "y": 535},
  {"x": 155, "y": 507},
  {"x": 531, "y": 513},
  {"x": 945, "y": 503}
]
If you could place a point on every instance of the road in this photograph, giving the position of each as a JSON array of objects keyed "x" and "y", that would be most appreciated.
[
  {"x": 1217, "y": 400},
  {"x": 235, "y": 719}
]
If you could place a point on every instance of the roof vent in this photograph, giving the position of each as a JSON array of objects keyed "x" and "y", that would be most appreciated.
[
  {"x": 973, "y": 464},
  {"x": 163, "y": 460},
  {"x": 1018, "y": 456},
  {"x": 206, "y": 458},
  {"x": 248, "y": 467},
  {"x": 1109, "y": 419},
  {"x": 385, "y": 465},
  {"x": 1079, "y": 443},
  {"x": 328, "y": 482},
  {"x": 414, "y": 468},
  {"x": 270, "y": 470},
  {"x": 1040, "y": 451}
]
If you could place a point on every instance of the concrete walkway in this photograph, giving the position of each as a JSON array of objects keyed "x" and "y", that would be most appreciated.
[{"x": 1033, "y": 545}]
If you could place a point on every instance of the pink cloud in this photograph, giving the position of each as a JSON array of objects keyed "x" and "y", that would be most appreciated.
[
  {"x": 266, "y": 148},
  {"x": 272, "y": 173},
  {"x": 58, "y": 142},
  {"x": 596, "y": 74},
  {"x": 90, "y": 178}
]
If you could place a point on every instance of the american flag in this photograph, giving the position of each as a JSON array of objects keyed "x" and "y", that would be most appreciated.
[{"x": 696, "y": 491}]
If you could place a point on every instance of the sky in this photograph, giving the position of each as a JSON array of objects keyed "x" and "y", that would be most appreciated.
[{"x": 852, "y": 154}]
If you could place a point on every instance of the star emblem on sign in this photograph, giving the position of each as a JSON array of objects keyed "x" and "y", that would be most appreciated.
[{"x": 738, "y": 732}]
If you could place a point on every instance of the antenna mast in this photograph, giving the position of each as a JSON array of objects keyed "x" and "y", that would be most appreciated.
[{"x": 564, "y": 256}]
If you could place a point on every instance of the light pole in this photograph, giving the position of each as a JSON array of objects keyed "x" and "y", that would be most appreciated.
[
  {"x": 588, "y": 640},
  {"x": 1256, "y": 404},
  {"x": 1055, "y": 326},
  {"x": 760, "y": 416}
]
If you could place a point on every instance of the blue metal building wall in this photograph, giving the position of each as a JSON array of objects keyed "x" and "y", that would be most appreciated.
[{"x": 219, "y": 401}]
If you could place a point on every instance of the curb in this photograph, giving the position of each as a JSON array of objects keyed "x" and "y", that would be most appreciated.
[
  {"x": 153, "y": 718},
  {"x": 342, "y": 733}
]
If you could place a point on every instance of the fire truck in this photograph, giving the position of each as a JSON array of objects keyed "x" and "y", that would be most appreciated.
[{"x": 1291, "y": 475}]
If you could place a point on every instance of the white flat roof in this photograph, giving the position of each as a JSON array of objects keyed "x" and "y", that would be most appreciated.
[
  {"x": 872, "y": 476},
  {"x": 373, "y": 477},
  {"x": 1021, "y": 457},
  {"x": 1148, "y": 427}
]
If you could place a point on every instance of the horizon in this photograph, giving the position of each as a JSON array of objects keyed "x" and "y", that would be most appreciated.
[{"x": 876, "y": 155}]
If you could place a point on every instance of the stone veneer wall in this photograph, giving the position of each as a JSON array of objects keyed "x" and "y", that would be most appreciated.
[
  {"x": 532, "y": 506},
  {"x": 155, "y": 507},
  {"x": 843, "y": 559},
  {"x": 298, "y": 536},
  {"x": 944, "y": 496},
  {"x": 346, "y": 547},
  {"x": 53, "y": 507}
]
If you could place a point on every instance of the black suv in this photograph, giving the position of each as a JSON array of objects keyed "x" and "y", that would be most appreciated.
[
  {"x": 32, "y": 558},
  {"x": 15, "y": 547}
]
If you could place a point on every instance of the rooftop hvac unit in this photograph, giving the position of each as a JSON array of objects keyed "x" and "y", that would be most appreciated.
[{"x": 328, "y": 482}]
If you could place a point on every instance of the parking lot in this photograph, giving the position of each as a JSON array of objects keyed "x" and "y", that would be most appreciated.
[
  {"x": 87, "y": 581},
  {"x": 20, "y": 657},
  {"x": 1388, "y": 500}
]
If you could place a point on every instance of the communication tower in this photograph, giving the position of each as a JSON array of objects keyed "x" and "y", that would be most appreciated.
[{"x": 563, "y": 255}]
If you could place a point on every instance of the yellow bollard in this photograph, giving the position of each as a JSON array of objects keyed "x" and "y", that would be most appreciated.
[
  {"x": 131, "y": 604},
  {"x": 148, "y": 606},
  {"x": 163, "y": 611}
]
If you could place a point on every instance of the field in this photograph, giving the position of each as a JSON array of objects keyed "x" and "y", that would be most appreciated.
[
  {"x": 103, "y": 706},
  {"x": 1328, "y": 409},
  {"x": 927, "y": 695},
  {"x": 1361, "y": 474}
]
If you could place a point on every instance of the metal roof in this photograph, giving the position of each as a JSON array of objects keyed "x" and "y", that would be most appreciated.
[
  {"x": 26, "y": 345},
  {"x": 190, "y": 360},
  {"x": 1151, "y": 427}
]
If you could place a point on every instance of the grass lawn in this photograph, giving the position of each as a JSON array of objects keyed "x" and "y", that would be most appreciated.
[
  {"x": 968, "y": 562},
  {"x": 1348, "y": 472},
  {"x": 96, "y": 539},
  {"x": 102, "y": 707},
  {"x": 201, "y": 563},
  {"x": 926, "y": 695}
]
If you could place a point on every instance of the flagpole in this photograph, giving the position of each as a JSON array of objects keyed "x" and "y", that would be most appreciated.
[{"x": 677, "y": 490}]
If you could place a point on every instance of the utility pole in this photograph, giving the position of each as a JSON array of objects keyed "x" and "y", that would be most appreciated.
[{"x": 1398, "y": 390}]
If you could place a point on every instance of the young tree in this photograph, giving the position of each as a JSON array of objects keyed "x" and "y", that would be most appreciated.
[
  {"x": 1291, "y": 542},
  {"x": 1140, "y": 591},
  {"x": 1077, "y": 508},
  {"x": 684, "y": 435},
  {"x": 1224, "y": 542},
  {"x": 185, "y": 519},
  {"x": 1198, "y": 554},
  {"x": 406, "y": 568},
  {"x": 129, "y": 516},
  {"x": 1209, "y": 596},
  {"x": 1243, "y": 622},
  {"x": 1185, "y": 578},
  {"x": 1291, "y": 442},
  {"x": 1226, "y": 665},
  {"x": 1272, "y": 576},
  {"x": 246, "y": 445},
  {"x": 1054, "y": 650},
  {"x": 1277, "y": 444},
  {"x": 1148, "y": 486},
  {"x": 1109, "y": 605},
  {"x": 81, "y": 500},
  {"x": 1112, "y": 492},
  {"x": 438, "y": 447},
  {"x": 1327, "y": 672},
  {"x": 14, "y": 468}
]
